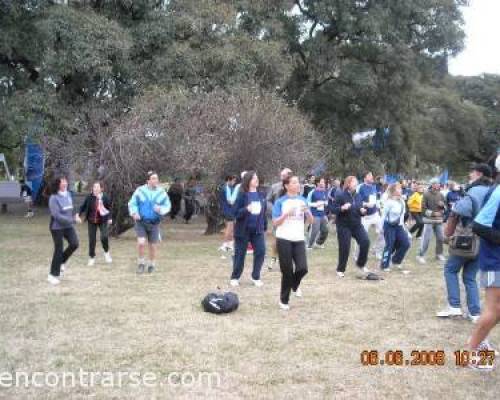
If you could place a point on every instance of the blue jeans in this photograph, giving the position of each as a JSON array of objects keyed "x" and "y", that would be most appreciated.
[
  {"x": 240, "y": 251},
  {"x": 396, "y": 245},
  {"x": 469, "y": 272}
]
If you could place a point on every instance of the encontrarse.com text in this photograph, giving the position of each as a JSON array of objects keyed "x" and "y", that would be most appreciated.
[{"x": 107, "y": 379}]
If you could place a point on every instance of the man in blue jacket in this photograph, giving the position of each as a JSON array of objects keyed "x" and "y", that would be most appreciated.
[
  {"x": 466, "y": 210},
  {"x": 148, "y": 205},
  {"x": 487, "y": 226}
]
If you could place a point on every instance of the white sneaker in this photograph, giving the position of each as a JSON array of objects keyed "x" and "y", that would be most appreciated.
[
  {"x": 421, "y": 260},
  {"x": 224, "y": 248},
  {"x": 473, "y": 318},
  {"x": 298, "y": 293},
  {"x": 63, "y": 267},
  {"x": 366, "y": 270},
  {"x": 441, "y": 258},
  {"x": 309, "y": 248},
  {"x": 258, "y": 282},
  {"x": 234, "y": 282},
  {"x": 271, "y": 264},
  {"x": 386, "y": 269},
  {"x": 319, "y": 246},
  {"x": 284, "y": 307},
  {"x": 340, "y": 274},
  {"x": 450, "y": 312},
  {"x": 53, "y": 280},
  {"x": 398, "y": 266},
  {"x": 91, "y": 262},
  {"x": 476, "y": 361},
  {"x": 108, "y": 258}
]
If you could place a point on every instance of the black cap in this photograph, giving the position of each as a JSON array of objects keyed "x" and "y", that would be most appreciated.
[{"x": 485, "y": 169}]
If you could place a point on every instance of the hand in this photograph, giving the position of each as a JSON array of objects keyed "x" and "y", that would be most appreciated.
[
  {"x": 110, "y": 221},
  {"x": 157, "y": 209},
  {"x": 78, "y": 219},
  {"x": 346, "y": 206},
  {"x": 441, "y": 204},
  {"x": 362, "y": 211},
  {"x": 249, "y": 208},
  {"x": 136, "y": 217}
]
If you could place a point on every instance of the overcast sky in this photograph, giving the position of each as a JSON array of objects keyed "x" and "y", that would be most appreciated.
[{"x": 482, "y": 45}]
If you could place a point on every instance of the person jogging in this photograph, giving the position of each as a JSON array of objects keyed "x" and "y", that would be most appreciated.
[
  {"x": 273, "y": 194},
  {"x": 349, "y": 209},
  {"x": 96, "y": 210},
  {"x": 250, "y": 227},
  {"x": 147, "y": 206},
  {"x": 317, "y": 200},
  {"x": 289, "y": 212},
  {"x": 396, "y": 238},
  {"x": 62, "y": 220}
]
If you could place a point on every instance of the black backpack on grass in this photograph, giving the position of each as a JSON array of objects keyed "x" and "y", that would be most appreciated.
[{"x": 220, "y": 303}]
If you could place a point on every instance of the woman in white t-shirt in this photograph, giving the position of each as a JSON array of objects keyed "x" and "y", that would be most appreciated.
[{"x": 289, "y": 213}]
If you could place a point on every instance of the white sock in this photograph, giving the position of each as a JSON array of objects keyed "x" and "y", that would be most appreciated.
[{"x": 141, "y": 261}]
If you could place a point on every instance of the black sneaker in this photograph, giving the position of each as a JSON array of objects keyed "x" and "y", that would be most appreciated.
[
  {"x": 140, "y": 268},
  {"x": 151, "y": 268}
]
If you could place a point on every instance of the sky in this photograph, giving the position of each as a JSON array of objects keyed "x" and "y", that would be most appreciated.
[{"x": 482, "y": 46}]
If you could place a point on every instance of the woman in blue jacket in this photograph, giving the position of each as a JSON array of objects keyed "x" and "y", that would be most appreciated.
[
  {"x": 348, "y": 207},
  {"x": 250, "y": 225}
]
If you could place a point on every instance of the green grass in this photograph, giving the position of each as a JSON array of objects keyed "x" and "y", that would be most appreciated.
[{"x": 106, "y": 318}]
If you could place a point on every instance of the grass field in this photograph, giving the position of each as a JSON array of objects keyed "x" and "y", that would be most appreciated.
[{"x": 107, "y": 319}]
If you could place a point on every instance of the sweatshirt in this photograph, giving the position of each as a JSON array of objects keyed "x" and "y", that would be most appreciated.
[{"x": 61, "y": 211}]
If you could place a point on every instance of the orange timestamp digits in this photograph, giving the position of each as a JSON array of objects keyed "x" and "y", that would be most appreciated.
[{"x": 399, "y": 358}]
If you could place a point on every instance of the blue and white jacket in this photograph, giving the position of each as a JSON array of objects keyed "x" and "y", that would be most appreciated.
[{"x": 144, "y": 200}]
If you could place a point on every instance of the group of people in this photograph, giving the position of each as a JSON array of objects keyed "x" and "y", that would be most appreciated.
[{"x": 301, "y": 216}]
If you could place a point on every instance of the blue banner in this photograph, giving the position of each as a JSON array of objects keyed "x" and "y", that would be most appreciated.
[{"x": 34, "y": 167}]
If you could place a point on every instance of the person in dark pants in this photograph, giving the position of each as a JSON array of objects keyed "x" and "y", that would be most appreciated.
[
  {"x": 96, "y": 210},
  {"x": 396, "y": 238},
  {"x": 189, "y": 199},
  {"x": 249, "y": 227},
  {"x": 61, "y": 227},
  {"x": 289, "y": 212},
  {"x": 349, "y": 208},
  {"x": 175, "y": 194},
  {"x": 415, "y": 207}
]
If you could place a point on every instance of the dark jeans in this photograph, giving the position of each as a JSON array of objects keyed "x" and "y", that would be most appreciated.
[
  {"x": 240, "y": 251},
  {"x": 60, "y": 255},
  {"x": 344, "y": 235},
  {"x": 396, "y": 245},
  {"x": 291, "y": 253},
  {"x": 103, "y": 228},
  {"x": 176, "y": 205},
  {"x": 419, "y": 224},
  {"x": 189, "y": 204}
]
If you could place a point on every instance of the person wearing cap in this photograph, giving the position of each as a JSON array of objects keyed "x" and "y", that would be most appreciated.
[
  {"x": 433, "y": 208},
  {"x": 466, "y": 210},
  {"x": 487, "y": 226},
  {"x": 147, "y": 206}
]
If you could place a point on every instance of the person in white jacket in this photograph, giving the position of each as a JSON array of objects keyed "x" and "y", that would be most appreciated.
[{"x": 397, "y": 242}]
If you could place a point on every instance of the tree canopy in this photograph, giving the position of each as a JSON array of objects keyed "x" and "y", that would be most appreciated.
[{"x": 70, "y": 68}]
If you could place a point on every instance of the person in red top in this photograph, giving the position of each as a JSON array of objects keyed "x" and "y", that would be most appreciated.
[{"x": 96, "y": 210}]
